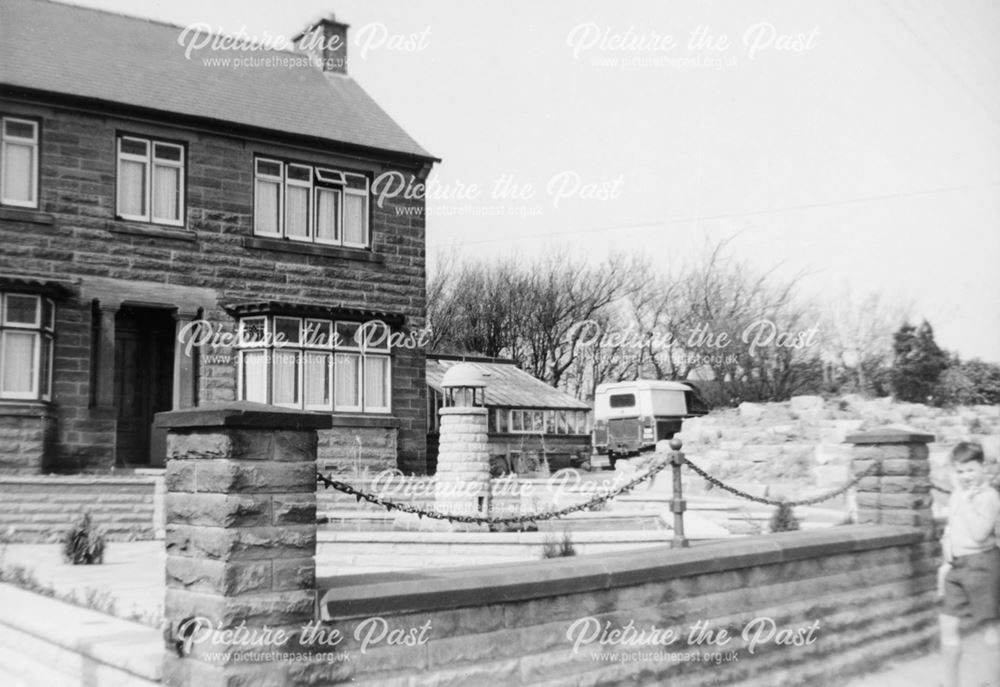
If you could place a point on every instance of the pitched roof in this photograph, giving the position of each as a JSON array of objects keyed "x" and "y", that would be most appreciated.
[
  {"x": 66, "y": 49},
  {"x": 507, "y": 385}
]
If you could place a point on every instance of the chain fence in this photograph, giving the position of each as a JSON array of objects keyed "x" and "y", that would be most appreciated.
[
  {"x": 360, "y": 495},
  {"x": 591, "y": 504}
]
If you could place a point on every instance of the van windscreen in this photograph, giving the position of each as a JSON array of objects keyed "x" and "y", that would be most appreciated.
[{"x": 622, "y": 400}]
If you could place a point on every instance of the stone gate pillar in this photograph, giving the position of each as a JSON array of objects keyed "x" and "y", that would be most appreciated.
[
  {"x": 240, "y": 538},
  {"x": 898, "y": 493},
  {"x": 462, "y": 480}
]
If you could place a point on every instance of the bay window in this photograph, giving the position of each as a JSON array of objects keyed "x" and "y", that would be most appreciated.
[
  {"x": 150, "y": 181},
  {"x": 18, "y": 162},
  {"x": 314, "y": 364},
  {"x": 311, "y": 203},
  {"x": 27, "y": 323}
]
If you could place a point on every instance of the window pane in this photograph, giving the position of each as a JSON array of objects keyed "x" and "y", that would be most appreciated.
[
  {"x": 347, "y": 335},
  {"x": 167, "y": 193},
  {"x": 318, "y": 333},
  {"x": 19, "y": 362},
  {"x": 330, "y": 176},
  {"x": 345, "y": 379},
  {"x": 354, "y": 219},
  {"x": 162, "y": 151},
  {"x": 252, "y": 331},
  {"x": 132, "y": 188},
  {"x": 317, "y": 379},
  {"x": 356, "y": 181},
  {"x": 18, "y": 172},
  {"x": 516, "y": 424},
  {"x": 550, "y": 422},
  {"x": 327, "y": 213},
  {"x": 285, "y": 377},
  {"x": 265, "y": 211},
  {"x": 254, "y": 372},
  {"x": 376, "y": 376},
  {"x": 502, "y": 420},
  {"x": 562, "y": 425},
  {"x": 132, "y": 146},
  {"x": 299, "y": 172},
  {"x": 45, "y": 380},
  {"x": 269, "y": 168},
  {"x": 13, "y": 128},
  {"x": 374, "y": 335},
  {"x": 297, "y": 211},
  {"x": 48, "y": 314},
  {"x": 21, "y": 309},
  {"x": 538, "y": 421},
  {"x": 286, "y": 330}
]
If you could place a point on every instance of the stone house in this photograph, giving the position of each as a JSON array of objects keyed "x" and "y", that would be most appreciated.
[{"x": 178, "y": 228}]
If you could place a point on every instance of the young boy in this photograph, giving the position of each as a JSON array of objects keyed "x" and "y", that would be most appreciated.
[{"x": 969, "y": 580}]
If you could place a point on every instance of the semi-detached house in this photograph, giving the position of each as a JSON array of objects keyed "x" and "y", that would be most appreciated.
[{"x": 176, "y": 230}]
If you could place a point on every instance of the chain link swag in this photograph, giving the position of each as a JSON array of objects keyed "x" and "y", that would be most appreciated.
[{"x": 593, "y": 503}]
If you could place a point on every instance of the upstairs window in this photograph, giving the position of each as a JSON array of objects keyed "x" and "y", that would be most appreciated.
[
  {"x": 312, "y": 204},
  {"x": 18, "y": 162},
  {"x": 150, "y": 181},
  {"x": 27, "y": 323}
]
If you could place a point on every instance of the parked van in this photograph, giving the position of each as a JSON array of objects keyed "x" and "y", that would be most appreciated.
[{"x": 630, "y": 417}]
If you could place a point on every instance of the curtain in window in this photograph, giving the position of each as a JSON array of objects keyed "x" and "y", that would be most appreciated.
[
  {"x": 317, "y": 379},
  {"x": 132, "y": 188},
  {"x": 354, "y": 219},
  {"x": 166, "y": 193},
  {"x": 19, "y": 362},
  {"x": 285, "y": 377},
  {"x": 326, "y": 214},
  {"x": 345, "y": 379},
  {"x": 266, "y": 206},
  {"x": 297, "y": 211},
  {"x": 376, "y": 376},
  {"x": 255, "y": 376},
  {"x": 18, "y": 176}
]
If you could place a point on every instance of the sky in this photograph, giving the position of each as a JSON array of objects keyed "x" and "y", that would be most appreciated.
[{"x": 853, "y": 143}]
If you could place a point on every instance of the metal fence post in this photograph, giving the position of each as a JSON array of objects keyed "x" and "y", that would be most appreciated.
[{"x": 677, "y": 503}]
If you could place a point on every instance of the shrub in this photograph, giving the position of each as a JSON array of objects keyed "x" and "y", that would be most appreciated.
[
  {"x": 783, "y": 519},
  {"x": 553, "y": 548},
  {"x": 84, "y": 543}
]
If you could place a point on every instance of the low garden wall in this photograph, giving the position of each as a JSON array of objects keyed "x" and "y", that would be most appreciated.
[
  {"x": 40, "y": 508},
  {"x": 243, "y": 605},
  {"x": 796, "y": 608}
]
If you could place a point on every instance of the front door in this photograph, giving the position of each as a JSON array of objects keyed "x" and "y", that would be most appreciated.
[{"x": 144, "y": 352}]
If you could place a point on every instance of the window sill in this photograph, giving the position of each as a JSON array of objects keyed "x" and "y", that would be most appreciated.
[
  {"x": 303, "y": 248},
  {"x": 10, "y": 407},
  {"x": 26, "y": 215},
  {"x": 150, "y": 230},
  {"x": 376, "y": 421}
]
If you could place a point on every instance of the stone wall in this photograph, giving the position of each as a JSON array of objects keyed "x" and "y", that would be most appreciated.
[
  {"x": 42, "y": 508},
  {"x": 26, "y": 438},
  {"x": 866, "y": 592}
]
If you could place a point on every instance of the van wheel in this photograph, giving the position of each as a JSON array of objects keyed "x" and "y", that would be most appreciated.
[{"x": 612, "y": 459}]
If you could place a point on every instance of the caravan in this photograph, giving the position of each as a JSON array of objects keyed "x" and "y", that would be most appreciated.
[{"x": 630, "y": 417}]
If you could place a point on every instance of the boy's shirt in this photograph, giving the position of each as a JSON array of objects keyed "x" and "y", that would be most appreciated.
[{"x": 978, "y": 507}]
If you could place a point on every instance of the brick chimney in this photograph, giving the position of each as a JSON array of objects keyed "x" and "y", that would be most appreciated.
[{"x": 326, "y": 41}]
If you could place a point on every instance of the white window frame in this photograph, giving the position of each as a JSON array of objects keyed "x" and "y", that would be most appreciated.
[
  {"x": 43, "y": 334},
  {"x": 322, "y": 180},
  {"x": 18, "y": 140},
  {"x": 269, "y": 178},
  {"x": 151, "y": 163},
  {"x": 365, "y": 221},
  {"x": 305, "y": 347},
  {"x": 291, "y": 183}
]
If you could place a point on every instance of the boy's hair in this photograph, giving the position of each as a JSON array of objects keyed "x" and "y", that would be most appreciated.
[{"x": 967, "y": 452}]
